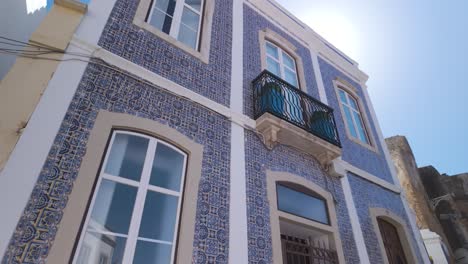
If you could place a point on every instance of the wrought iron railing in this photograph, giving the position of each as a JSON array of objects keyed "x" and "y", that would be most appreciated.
[
  {"x": 279, "y": 98},
  {"x": 302, "y": 251}
]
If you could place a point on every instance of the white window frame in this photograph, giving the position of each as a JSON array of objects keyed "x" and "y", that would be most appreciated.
[
  {"x": 277, "y": 216},
  {"x": 282, "y": 65},
  {"x": 340, "y": 84},
  {"x": 143, "y": 187},
  {"x": 352, "y": 110},
  {"x": 268, "y": 35},
  {"x": 177, "y": 18}
]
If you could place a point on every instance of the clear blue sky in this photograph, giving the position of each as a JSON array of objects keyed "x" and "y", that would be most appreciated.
[{"x": 416, "y": 54}]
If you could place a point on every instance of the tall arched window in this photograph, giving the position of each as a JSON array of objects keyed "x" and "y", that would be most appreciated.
[
  {"x": 281, "y": 63},
  {"x": 135, "y": 209},
  {"x": 303, "y": 221},
  {"x": 353, "y": 116}
]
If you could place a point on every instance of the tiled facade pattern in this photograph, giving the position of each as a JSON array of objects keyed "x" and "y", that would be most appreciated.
[
  {"x": 367, "y": 195},
  {"x": 285, "y": 159},
  {"x": 355, "y": 154},
  {"x": 212, "y": 80},
  {"x": 253, "y": 24},
  {"x": 102, "y": 88}
]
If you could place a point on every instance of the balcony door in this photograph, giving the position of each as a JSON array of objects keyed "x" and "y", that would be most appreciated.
[
  {"x": 392, "y": 243},
  {"x": 281, "y": 64}
]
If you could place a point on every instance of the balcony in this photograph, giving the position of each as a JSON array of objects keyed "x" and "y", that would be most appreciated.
[{"x": 286, "y": 115}]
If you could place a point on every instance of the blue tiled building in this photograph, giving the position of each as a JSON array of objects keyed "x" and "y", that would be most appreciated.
[{"x": 203, "y": 131}]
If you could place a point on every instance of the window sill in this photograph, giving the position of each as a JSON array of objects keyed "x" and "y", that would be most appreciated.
[{"x": 203, "y": 56}]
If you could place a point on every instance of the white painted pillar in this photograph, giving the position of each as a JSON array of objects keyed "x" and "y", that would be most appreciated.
[
  {"x": 238, "y": 242},
  {"x": 27, "y": 158},
  {"x": 354, "y": 218},
  {"x": 318, "y": 76},
  {"x": 408, "y": 211}
]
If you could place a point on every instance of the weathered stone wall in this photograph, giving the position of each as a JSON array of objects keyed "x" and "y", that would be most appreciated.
[{"x": 408, "y": 175}]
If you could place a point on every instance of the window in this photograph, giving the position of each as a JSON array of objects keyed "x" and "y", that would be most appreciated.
[
  {"x": 292, "y": 201},
  {"x": 134, "y": 214},
  {"x": 281, "y": 64},
  {"x": 303, "y": 221},
  {"x": 352, "y": 116},
  {"x": 180, "y": 19}
]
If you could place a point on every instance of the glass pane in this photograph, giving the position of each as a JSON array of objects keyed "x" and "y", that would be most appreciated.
[
  {"x": 190, "y": 19},
  {"x": 349, "y": 121},
  {"x": 187, "y": 36},
  {"x": 127, "y": 156},
  {"x": 290, "y": 77},
  {"x": 353, "y": 103},
  {"x": 273, "y": 66},
  {"x": 97, "y": 248},
  {"x": 166, "y": 6},
  {"x": 343, "y": 96},
  {"x": 168, "y": 166},
  {"x": 113, "y": 207},
  {"x": 272, "y": 50},
  {"x": 195, "y": 4},
  {"x": 292, "y": 201},
  {"x": 161, "y": 21},
  {"x": 288, "y": 61},
  {"x": 152, "y": 253},
  {"x": 360, "y": 127},
  {"x": 159, "y": 216}
]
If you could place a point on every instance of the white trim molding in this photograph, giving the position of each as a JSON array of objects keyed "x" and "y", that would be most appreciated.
[
  {"x": 340, "y": 168},
  {"x": 238, "y": 238},
  {"x": 354, "y": 219},
  {"x": 391, "y": 166}
]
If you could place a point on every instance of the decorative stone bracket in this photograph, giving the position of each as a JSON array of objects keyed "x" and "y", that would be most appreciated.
[{"x": 277, "y": 131}]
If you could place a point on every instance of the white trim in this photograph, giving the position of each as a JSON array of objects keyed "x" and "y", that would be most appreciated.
[
  {"x": 25, "y": 163},
  {"x": 318, "y": 77},
  {"x": 140, "y": 199},
  {"x": 238, "y": 242},
  {"x": 93, "y": 23},
  {"x": 340, "y": 168},
  {"x": 284, "y": 20},
  {"x": 354, "y": 219},
  {"x": 391, "y": 166},
  {"x": 164, "y": 83}
]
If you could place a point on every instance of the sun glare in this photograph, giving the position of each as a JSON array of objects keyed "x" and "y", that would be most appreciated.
[{"x": 337, "y": 30}]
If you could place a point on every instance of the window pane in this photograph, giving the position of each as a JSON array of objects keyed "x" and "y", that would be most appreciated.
[
  {"x": 159, "y": 216},
  {"x": 187, "y": 36},
  {"x": 272, "y": 50},
  {"x": 127, "y": 156},
  {"x": 167, "y": 168},
  {"x": 273, "y": 67},
  {"x": 290, "y": 77},
  {"x": 360, "y": 127},
  {"x": 292, "y": 201},
  {"x": 96, "y": 247},
  {"x": 190, "y": 19},
  {"x": 166, "y": 6},
  {"x": 113, "y": 207},
  {"x": 353, "y": 103},
  {"x": 349, "y": 120},
  {"x": 152, "y": 253},
  {"x": 343, "y": 96},
  {"x": 161, "y": 21},
  {"x": 195, "y": 4},
  {"x": 288, "y": 61}
]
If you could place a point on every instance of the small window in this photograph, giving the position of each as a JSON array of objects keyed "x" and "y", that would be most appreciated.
[
  {"x": 353, "y": 117},
  {"x": 281, "y": 64},
  {"x": 180, "y": 19},
  {"x": 134, "y": 214},
  {"x": 292, "y": 201}
]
